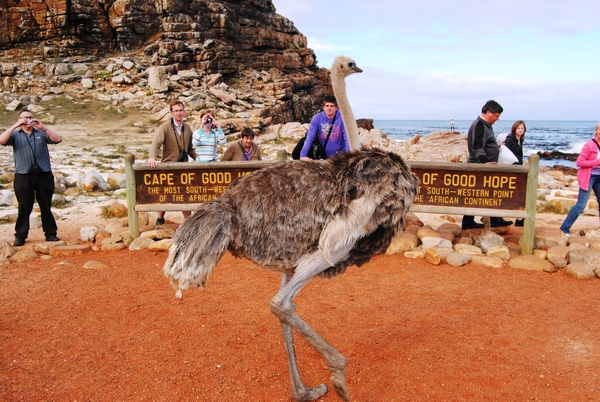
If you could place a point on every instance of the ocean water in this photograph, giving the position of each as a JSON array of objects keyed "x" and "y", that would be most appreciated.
[{"x": 542, "y": 135}]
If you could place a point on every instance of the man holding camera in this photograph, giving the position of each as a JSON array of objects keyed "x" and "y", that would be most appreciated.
[
  {"x": 34, "y": 180},
  {"x": 175, "y": 139}
]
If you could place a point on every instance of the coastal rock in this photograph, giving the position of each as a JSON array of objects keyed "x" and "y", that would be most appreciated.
[
  {"x": 113, "y": 243},
  {"x": 402, "y": 243},
  {"x": 116, "y": 181},
  {"x": 558, "y": 256},
  {"x": 45, "y": 247},
  {"x": 414, "y": 254},
  {"x": 429, "y": 242},
  {"x": 467, "y": 249},
  {"x": 532, "y": 263},
  {"x": 68, "y": 251},
  {"x": 7, "y": 199},
  {"x": 547, "y": 237},
  {"x": 488, "y": 239},
  {"x": 91, "y": 181},
  {"x": 458, "y": 260},
  {"x": 485, "y": 261},
  {"x": 161, "y": 245},
  {"x": 24, "y": 255},
  {"x": 88, "y": 233},
  {"x": 6, "y": 249},
  {"x": 450, "y": 227},
  {"x": 115, "y": 209},
  {"x": 579, "y": 270},
  {"x": 590, "y": 257},
  {"x": 436, "y": 255},
  {"x": 94, "y": 265},
  {"x": 427, "y": 231},
  {"x": 501, "y": 252},
  {"x": 141, "y": 243}
]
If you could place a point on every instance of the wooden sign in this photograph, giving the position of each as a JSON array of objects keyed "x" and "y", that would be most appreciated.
[
  {"x": 442, "y": 184},
  {"x": 185, "y": 186},
  {"x": 471, "y": 189}
]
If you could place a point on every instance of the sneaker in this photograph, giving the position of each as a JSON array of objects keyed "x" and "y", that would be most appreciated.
[
  {"x": 472, "y": 225},
  {"x": 160, "y": 221},
  {"x": 52, "y": 238},
  {"x": 500, "y": 222},
  {"x": 19, "y": 241},
  {"x": 519, "y": 222}
]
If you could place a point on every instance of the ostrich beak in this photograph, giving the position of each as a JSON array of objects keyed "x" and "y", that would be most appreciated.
[{"x": 355, "y": 68}]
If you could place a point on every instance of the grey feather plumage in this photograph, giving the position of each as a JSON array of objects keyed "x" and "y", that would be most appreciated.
[{"x": 276, "y": 215}]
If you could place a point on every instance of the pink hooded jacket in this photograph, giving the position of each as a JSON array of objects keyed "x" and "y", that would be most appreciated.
[{"x": 587, "y": 160}]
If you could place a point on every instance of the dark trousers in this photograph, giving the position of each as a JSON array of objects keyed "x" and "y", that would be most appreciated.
[{"x": 30, "y": 188}]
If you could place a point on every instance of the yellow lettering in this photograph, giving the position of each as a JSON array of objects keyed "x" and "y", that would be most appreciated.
[{"x": 463, "y": 180}]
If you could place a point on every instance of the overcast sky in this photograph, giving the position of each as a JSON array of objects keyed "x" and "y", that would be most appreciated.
[{"x": 436, "y": 59}]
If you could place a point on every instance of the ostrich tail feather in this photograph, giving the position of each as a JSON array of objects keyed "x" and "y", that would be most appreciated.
[{"x": 199, "y": 243}]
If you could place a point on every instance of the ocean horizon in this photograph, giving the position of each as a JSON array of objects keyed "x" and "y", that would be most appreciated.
[{"x": 567, "y": 136}]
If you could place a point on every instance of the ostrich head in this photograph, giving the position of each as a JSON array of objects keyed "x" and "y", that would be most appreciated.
[{"x": 344, "y": 66}]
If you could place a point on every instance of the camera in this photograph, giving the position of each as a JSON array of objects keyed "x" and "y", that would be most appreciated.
[
  {"x": 35, "y": 169},
  {"x": 208, "y": 120},
  {"x": 29, "y": 122},
  {"x": 183, "y": 156}
]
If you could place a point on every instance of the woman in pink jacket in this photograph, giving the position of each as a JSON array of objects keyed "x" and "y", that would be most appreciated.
[{"x": 588, "y": 178}]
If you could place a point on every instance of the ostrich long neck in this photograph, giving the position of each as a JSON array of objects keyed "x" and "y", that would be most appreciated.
[{"x": 339, "y": 90}]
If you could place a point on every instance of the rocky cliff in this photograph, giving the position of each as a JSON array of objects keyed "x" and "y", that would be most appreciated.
[{"x": 238, "y": 55}]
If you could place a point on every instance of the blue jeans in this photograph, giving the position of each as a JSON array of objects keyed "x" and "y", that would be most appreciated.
[{"x": 582, "y": 200}]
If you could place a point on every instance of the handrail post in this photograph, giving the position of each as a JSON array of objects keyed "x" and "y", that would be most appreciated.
[
  {"x": 530, "y": 206},
  {"x": 281, "y": 155},
  {"x": 132, "y": 216}
]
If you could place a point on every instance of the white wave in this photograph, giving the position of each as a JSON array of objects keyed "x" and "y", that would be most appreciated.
[{"x": 575, "y": 148}]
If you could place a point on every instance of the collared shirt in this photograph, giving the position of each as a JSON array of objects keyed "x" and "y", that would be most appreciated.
[
  {"x": 206, "y": 144},
  {"x": 25, "y": 145}
]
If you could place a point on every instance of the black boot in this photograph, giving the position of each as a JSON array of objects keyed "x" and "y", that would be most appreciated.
[{"x": 499, "y": 222}]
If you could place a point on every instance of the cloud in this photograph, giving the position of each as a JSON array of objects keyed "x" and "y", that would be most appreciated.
[{"x": 439, "y": 57}]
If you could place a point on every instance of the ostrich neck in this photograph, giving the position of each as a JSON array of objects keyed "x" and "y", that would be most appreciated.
[{"x": 339, "y": 90}]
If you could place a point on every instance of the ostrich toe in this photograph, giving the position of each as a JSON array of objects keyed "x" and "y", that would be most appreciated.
[
  {"x": 310, "y": 394},
  {"x": 338, "y": 381}
]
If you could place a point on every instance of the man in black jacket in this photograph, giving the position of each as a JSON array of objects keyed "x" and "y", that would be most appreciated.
[{"x": 483, "y": 148}]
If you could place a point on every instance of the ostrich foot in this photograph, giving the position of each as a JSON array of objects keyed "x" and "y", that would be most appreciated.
[
  {"x": 338, "y": 381},
  {"x": 310, "y": 394}
]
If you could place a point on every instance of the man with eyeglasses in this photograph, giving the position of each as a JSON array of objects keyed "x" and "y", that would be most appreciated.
[
  {"x": 175, "y": 139},
  {"x": 34, "y": 180}
]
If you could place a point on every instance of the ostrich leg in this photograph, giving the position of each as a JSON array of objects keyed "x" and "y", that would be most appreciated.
[
  {"x": 283, "y": 307},
  {"x": 299, "y": 391}
]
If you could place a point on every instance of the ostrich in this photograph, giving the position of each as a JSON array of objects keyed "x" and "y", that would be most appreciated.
[{"x": 303, "y": 219}]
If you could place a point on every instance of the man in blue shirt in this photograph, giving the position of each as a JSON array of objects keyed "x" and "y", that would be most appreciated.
[{"x": 34, "y": 180}]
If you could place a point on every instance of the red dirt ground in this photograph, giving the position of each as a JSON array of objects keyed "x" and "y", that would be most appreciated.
[{"x": 411, "y": 332}]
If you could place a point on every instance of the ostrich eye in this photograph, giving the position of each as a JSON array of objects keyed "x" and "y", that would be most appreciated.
[{"x": 351, "y": 65}]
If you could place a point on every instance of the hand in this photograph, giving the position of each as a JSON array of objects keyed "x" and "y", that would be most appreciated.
[
  {"x": 205, "y": 117},
  {"x": 152, "y": 163},
  {"x": 305, "y": 158},
  {"x": 24, "y": 121},
  {"x": 38, "y": 124}
]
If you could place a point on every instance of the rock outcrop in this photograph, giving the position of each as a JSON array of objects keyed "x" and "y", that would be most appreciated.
[{"x": 244, "y": 45}]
